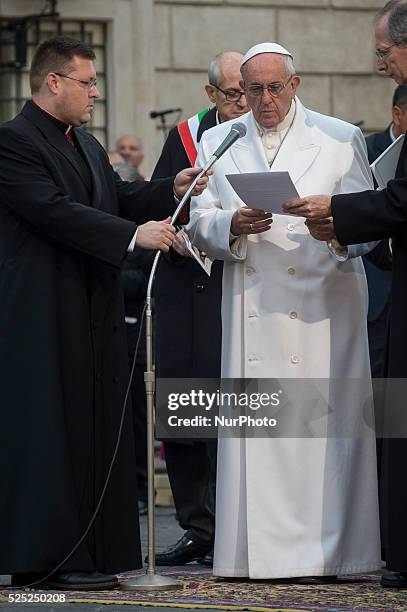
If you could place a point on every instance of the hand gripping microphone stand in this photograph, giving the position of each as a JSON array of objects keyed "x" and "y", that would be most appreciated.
[{"x": 152, "y": 581}]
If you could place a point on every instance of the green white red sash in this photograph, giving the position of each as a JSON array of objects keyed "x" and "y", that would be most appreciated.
[{"x": 188, "y": 131}]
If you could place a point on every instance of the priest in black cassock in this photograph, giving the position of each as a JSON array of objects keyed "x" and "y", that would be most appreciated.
[
  {"x": 66, "y": 224},
  {"x": 373, "y": 215}
]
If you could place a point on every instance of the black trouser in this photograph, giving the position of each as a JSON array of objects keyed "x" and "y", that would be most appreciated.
[
  {"x": 377, "y": 335},
  {"x": 192, "y": 473}
]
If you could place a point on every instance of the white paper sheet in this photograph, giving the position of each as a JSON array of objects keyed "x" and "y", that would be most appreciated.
[
  {"x": 204, "y": 261},
  {"x": 384, "y": 167},
  {"x": 264, "y": 190}
]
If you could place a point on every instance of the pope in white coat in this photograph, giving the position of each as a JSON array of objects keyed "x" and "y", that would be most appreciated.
[{"x": 293, "y": 307}]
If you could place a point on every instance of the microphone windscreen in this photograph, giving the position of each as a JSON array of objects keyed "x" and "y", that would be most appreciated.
[{"x": 241, "y": 128}]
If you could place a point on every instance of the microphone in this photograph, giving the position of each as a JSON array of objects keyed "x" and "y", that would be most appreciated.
[
  {"x": 155, "y": 114},
  {"x": 236, "y": 131}
]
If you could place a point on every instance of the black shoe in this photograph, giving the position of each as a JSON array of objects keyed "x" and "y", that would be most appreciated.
[
  {"x": 184, "y": 551},
  {"x": 20, "y": 580},
  {"x": 142, "y": 507},
  {"x": 69, "y": 581},
  {"x": 394, "y": 580},
  {"x": 311, "y": 580},
  {"x": 207, "y": 559}
]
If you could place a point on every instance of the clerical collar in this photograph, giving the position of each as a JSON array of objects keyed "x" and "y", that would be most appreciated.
[
  {"x": 65, "y": 128},
  {"x": 280, "y": 127},
  {"x": 392, "y": 136}
]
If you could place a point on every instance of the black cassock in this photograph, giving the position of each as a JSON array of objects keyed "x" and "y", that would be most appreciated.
[
  {"x": 63, "y": 354},
  {"x": 370, "y": 216}
]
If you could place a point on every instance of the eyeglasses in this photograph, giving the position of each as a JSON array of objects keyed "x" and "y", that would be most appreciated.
[
  {"x": 231, "y": 95},
  {"x": 274, "y": 89},
  {"x": 381, "y": 54},
  {"x": 88, "y": 84}
]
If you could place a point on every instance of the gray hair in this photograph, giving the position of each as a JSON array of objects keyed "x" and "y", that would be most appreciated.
[
  {"x": 288, "y": 61},
  {"x": 289, "y": 64},
  {"x": 214, "y": 72},
  {"x": 397, "y": 23}
]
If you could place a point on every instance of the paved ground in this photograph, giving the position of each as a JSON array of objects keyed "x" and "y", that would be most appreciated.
[{"x": 167, "y": 532}]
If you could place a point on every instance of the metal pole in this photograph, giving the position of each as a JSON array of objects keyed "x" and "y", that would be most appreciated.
[{"x": 152, "y": 581}]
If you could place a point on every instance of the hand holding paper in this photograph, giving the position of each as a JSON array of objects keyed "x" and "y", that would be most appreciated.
[
  {"x": 265, "y": 191},
  {"x": 250, "y": 221},
  {"x": 200, "y": 257},
  {"x": 179, "y": 244},
  {"x": 314, "y": 207}
]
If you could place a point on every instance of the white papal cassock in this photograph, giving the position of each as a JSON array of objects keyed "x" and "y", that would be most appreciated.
[{"x": 292, "y": 309}]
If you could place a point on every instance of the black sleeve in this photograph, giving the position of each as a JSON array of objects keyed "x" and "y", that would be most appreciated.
[
  {"x": 370, "y": 215},
  {"x": 143, "y": 201},
  {"x": 172, "y": 160},
  {"x": 28, "y": 190}
]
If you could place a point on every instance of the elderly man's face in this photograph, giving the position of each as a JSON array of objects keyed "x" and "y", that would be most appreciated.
[
  {"x": 392, "y": 59},
  {"x": 229, "y": 88},
  {"x": 269, "y": 69}
]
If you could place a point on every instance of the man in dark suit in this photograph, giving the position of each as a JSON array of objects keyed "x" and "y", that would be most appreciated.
[
  {"x": 66, "y": 224},
  {"x": 188, "y": 324},
  {"x": 378, "y": 142},
  {"x": 378, "y": 280},
  {"x": 374, "y": 215}
]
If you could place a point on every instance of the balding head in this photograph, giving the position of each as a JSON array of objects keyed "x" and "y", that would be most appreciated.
[
  {"x": 226, "y": 63},
  {"x": 131, "y": 149},
  {"x": 224, "y": 76}
]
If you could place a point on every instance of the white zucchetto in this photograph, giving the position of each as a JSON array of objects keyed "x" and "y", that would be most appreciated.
[{"x": 266, "y": 47}]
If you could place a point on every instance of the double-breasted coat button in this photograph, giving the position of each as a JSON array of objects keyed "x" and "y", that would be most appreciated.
[
  {"x": 295, "y": 359},
  {"x": 115, "y": 379},
  {"x": 200, "y": 287},
  {"x": 291, "y": 271},
  {"x": 293, "y": 314}
]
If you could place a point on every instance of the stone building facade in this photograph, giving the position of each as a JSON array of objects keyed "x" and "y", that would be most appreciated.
[{"x": 153, "y": 54}]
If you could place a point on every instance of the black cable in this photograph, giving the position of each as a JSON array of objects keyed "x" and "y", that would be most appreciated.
[{"x": 102, "y": 495}]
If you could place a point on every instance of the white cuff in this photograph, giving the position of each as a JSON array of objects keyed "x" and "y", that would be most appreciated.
[
  {"x": 132, "y": 244},
  {"x": 232, "y": 237},
  {"x": 338, "y": 251},
  {"x": 176, "y": 196}
]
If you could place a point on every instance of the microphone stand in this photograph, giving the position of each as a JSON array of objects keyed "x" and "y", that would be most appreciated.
[
  {"x": 152, "y": 581},
  {"x": 164, "y": 127}
]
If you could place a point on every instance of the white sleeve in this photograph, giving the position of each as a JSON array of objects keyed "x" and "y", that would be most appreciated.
[{"x": 209, "y": 225}]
